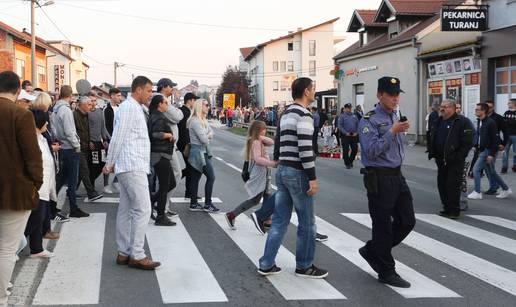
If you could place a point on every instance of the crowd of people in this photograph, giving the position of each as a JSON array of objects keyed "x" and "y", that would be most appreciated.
[{"x": 48, "y": 144}]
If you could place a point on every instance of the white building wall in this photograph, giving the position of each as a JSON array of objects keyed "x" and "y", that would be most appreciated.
[
  {"x": 58, "y": 71},
  {"x": 324, "y": 53}
]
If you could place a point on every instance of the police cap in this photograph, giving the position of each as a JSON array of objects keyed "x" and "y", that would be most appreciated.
[
  {"x": 347, "y": 106},
  {"x": 389, "y": 85}
]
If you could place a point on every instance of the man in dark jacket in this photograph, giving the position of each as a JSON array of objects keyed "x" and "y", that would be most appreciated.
[
  {"x": 109, "y": 112},
  {"x": 21, "y": 176},
  {"x": 450, "y": 140},
  {"x": 501, "y": 134},
  {"x": 510, "y": 122},
  {"x": 487, "y": 143},
  {"x": 183, "y": 144}
]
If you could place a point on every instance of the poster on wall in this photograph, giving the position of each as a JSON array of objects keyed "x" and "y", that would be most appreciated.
[
  {"x": 458, "y": 65},
  {"x": 449, "y": 67},
  {"x": 466, "y": 63},
  {"x": 431, "y": 70},
  {"x": 454, "y": 67},
  {"x": 440, "y": 69}
]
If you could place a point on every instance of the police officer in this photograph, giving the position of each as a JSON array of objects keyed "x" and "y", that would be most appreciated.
[
  {"x": 348, "y": 126},
  {"x": 390, "y": 200}
]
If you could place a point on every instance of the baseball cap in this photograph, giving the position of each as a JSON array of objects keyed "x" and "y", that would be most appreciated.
[
  {"x": 389, "y": 85},
  {"x": 26, "y": 96},
  {"x": 189, "y": 96},
  {"x": 164, "y": 82}
]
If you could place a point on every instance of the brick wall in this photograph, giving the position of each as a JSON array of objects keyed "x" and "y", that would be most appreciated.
[{"x": 6, "y": 52}]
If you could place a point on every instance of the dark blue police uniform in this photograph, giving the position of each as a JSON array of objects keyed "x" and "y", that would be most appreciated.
[{"x": 390, "y": 200}]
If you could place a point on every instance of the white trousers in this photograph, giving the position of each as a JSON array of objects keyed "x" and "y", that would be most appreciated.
[
  {"x": 133, "y": 215},
  {"x": 12, "y": 225}
]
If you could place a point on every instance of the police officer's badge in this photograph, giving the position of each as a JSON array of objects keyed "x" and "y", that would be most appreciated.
[
  {"x": 365, "y": 130},
  {"x": 393, "y": 81}
]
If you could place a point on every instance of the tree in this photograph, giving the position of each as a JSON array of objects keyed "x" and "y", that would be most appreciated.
[{"x": 235, "y": 82}]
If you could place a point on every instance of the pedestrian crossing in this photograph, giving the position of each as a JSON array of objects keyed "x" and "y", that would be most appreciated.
[{"x": 77, "y": 265}]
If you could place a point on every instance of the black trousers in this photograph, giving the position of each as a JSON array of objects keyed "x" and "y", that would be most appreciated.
[
  {"x": 315, "y": 143},
  {"x": 95, "y": 163},
  {"x": 187, "y": 173},
  {"x": 449, "y": 184},
  {"x": 167, "y": 182},
  {"x": 84, "y": 174},
  {"x": 34, "y": 228},
  {"x": 349, "y": 143},
  {"x": 392, "y": 215}
]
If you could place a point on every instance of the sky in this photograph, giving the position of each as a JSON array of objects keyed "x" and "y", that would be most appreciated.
[{"x": 181, "y": 40}]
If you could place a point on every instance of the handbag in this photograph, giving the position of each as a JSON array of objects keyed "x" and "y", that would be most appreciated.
[{"x": 245, "y": 172}]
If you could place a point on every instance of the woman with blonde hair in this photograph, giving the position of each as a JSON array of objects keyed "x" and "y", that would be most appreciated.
[
  {"x": 42, "y": 102},
  {"x": 200, "y": 156},
  {"x": 259, "y": 182}
]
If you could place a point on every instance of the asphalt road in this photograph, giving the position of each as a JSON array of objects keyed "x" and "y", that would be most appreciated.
[{"x": 470, "y": 262}]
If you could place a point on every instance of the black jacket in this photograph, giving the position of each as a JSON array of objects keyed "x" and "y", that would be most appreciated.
[
  {"x": 489, "y": 139},
  {"x": 109, "y": 118},
  {"x": 500, "y": 127},
  {"x": 184, "y": 136},
  {"x": 158, "y": 125},
  {"x": 510, "y": 122},
  {"x": 458, "y": 142}
]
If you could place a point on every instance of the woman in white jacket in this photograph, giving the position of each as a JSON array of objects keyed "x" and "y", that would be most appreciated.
[{"x": 47, "y": 192}]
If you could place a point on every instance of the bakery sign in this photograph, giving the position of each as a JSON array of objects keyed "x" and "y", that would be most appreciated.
[
  {"x": 464, "y": 19},
  {"x": 59, "y": 77}
]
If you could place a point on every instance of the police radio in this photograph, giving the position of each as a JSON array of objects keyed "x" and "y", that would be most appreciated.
[{"x": 403, "y": 119}]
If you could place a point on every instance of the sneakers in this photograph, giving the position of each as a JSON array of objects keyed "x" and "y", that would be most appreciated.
[
  {"x": 449, "y": 215},
  {"x": 210, "y": 209},
  {"x": 274, "y": 270},
  {"x": 491, "y": 192},
  {"x": 475, "y": 195},
  {"x": 504, "y": 193},
  {"x": 230, "y": 219},
  {"x": 108, "y": 190},
  {"x": 195, "y": 207},
  {"x": 163, "y": 220},
  {"x": 59, "y": 218},
  {"x": 95, "y": 197},
  {"x": 51, "y": 235},
  {"x": 78, "y": 213},
  {"x": 43, "y": 254},
  {"x": 260, "y": 226},
  {"x": 312, "y": 272},
  {"x": 144, "y": 264},
  {"x": 320, "y": 237},
  {"x": 394, "y": 280}
]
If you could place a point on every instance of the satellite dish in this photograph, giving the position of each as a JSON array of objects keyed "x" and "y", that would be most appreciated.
[{"x": 83, "y": 87}]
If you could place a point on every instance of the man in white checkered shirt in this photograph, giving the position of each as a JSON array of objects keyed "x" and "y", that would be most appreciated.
[{"x": 129, "y": 158}]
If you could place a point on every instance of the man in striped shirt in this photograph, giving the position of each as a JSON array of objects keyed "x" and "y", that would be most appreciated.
[{"x": 297, "y": 185}]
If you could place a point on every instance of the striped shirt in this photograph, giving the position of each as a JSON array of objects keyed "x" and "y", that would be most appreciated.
[
  {"x": 296, "y": 131},
  {"x": 129, "y": 150}
]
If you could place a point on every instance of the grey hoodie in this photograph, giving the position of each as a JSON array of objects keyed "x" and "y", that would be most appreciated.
[{"x": 63, "y": 126}]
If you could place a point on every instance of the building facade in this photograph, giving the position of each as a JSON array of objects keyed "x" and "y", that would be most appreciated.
[
  {"x": 77, "y": 69},
  {"x": 273, "y": 65}
]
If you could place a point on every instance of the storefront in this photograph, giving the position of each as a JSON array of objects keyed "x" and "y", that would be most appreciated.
[{"x": 457, "y": 79}]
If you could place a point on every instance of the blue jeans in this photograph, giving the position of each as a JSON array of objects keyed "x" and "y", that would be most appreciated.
[
  {"x": 292, "y": 187},
  {"x": 506, "y": 154},
  {"x": 495, "y": 181},
  {"x": 267, "y": 208},
  {"x": 208, "y": 187},
  {"x": 69, "y": 174}
]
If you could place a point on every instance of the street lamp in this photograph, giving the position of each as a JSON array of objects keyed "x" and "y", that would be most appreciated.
[{"x": 33, "y": 4}]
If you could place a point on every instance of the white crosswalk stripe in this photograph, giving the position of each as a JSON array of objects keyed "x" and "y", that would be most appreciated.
[
  {"x": 499, "y": 221},
  {"x": 489, "y": 272}
]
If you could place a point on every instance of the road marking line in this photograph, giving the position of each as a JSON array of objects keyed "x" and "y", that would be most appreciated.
[
  {"x": 287, "y": 283},
  {"x": 184, "y": 276},
  {"x": 496, "y": 220},
  {"x": 347, "y": 246},
  {"x": 73, "y": 274},
  {"x": 484, "y": 270},
  {"x": 182, "y": 200},
  {"x": 114, "y": 200},
  {"x": 480, "y": 235}
]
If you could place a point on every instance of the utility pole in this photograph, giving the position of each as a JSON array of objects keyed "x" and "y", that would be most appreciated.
[
  {"x": 34, "y": 79},
  {"x": 116, "y": 65}
]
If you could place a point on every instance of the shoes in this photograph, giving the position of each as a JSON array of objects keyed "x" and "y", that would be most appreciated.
[
  {"x": 144, "y": 264},
  {"x": 195, "y": 207},
  {"x": 369, "y": 258},
  {"x": 274, "y": 270},
  {"x": 475, "y": 195},
  {"x": 320, "y": 237},
  {"x": 171, "y": 213},
  {"x": 122, "y": 260},
  {"x": 230, "y": 219},
  {"x": 312, "y": 272},
  {"x": 464, "y": 206},
  {"x": 153, "y": 216},
  {"x": 504, "y": 193},
  {"x": 514, "y": 168},
  {"x": 94, "y": 197},
  {"x": 210, "y": 209},
  {"x": 78, "y": 213},
  {"x": 260, "y": 225},
  {"x": 394, "y": 280},
  {"x": 491, "y": 192},
  {"x": 59, "y": 218},
  {"x": 108, "y": 190},
  {"x": 348, "y": 166},
  {"x": 163, "y": 220},
  {"x": 449, "y": 215},
  {"x": 51, "y": 235},
  {"x": 504, "y": 170},
  {"x": 43, "y": 254}
]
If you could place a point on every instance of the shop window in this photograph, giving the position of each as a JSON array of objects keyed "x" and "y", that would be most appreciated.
[
  {"x": 454, "y": 89},
  {"x": 358, "y": 89},
  {"x": 502, "y": 77},
  {"x": 502, "y": 62}
]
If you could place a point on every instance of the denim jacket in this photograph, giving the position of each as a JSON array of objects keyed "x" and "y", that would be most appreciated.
[{"x": 196, "y": 157}]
